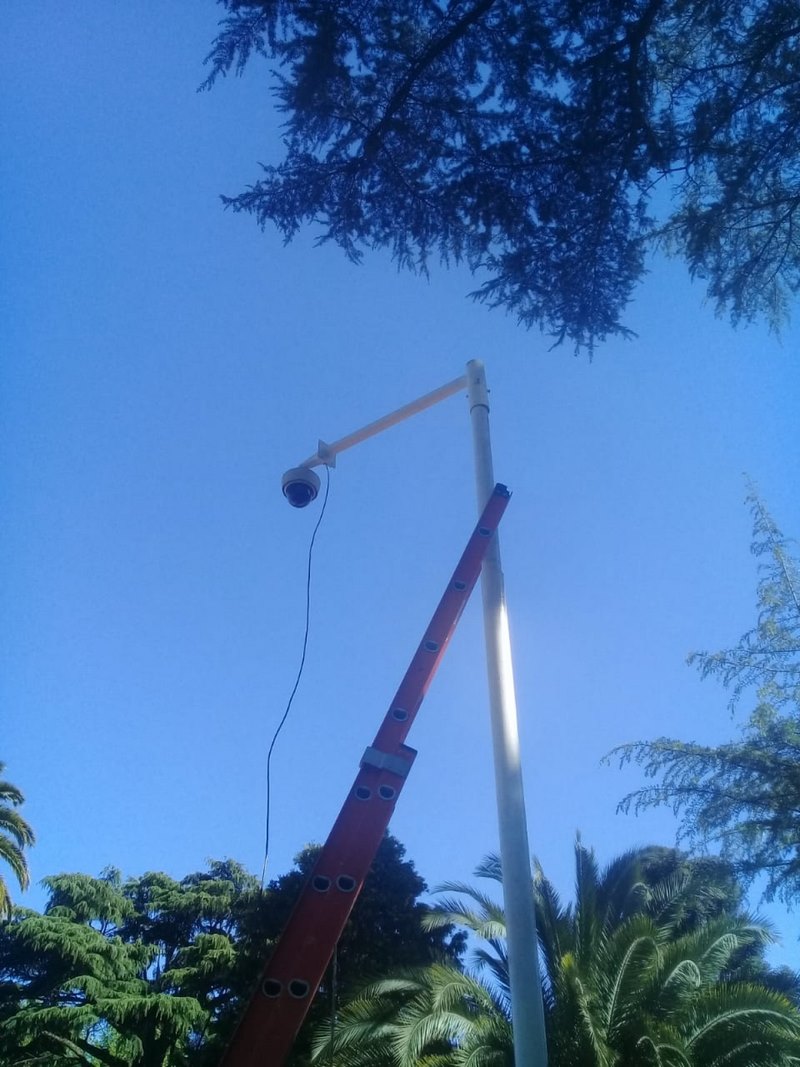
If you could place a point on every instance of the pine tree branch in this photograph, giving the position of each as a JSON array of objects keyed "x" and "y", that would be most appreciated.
[
  {"x": 435, "y": 49},
  {"x": 86, "y": 1051}
]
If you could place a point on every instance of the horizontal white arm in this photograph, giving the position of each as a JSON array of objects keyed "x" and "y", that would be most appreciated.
[{"x": 326, "y": 454}]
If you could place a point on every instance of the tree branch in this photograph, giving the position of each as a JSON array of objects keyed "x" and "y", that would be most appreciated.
[
  {"x": 86, "y": 1051},
  {"x": 435, "y": 49}
]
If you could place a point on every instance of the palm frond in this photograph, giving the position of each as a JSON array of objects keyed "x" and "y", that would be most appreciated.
[
  {"x": 490, "y": 867},
  {"x": 13, "y": 855},
  {"x": 552, "y": 924},
  {"x": 488, "y": 922},
  {"x": 728, "y": 1018},
  {"x": 587, "y": 877},
  {"x": 627, "y": 962},
  {"x": 621, "y": 890}
]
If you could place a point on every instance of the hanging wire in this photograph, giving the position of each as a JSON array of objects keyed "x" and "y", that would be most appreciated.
[
  {"x": 334, "y": 984},
  {"x": 299, "y": 673}
]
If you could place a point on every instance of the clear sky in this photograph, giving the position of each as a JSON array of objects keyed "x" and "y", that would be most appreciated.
[{"x": 163, "y": 362}]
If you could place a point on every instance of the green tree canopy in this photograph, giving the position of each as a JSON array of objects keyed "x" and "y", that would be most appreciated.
[
  {"x": 547, "y": 145},
  {"x": 15, "y": 835},
  {"x": 76, "y": 988},
  {"x": 152, "y": 972},
  {"x": 637, "y": 971},
  {"x": 744, "y": 796}
]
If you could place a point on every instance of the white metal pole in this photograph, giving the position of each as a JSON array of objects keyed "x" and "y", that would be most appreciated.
[{"x": 527, "y": 1011}]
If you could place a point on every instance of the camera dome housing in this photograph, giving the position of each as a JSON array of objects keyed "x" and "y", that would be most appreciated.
[{"x": 300, "y": 486}]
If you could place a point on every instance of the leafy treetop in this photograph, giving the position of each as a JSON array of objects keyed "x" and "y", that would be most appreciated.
[
  {"x": 152, "y": 972},
  {"x": 744, "y": 796},
  {"x": 546, "y": 145}
]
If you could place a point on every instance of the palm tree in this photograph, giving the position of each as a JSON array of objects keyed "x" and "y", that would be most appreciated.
[
  {"x": 635, "y": 974},
  {"x": 436, "y": 1016},
  {"x": 15, "y": 834}
]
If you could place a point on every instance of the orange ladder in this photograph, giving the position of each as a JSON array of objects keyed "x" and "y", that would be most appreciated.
[{"x": 292, "y": 975}]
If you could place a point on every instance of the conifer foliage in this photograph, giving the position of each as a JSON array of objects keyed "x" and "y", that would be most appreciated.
[
  {"x": 530, "y": 141},
  {"x": 744, "y": 796},
  {"x": 152, "y": 972},
  {"x": 79, "y": 985}
]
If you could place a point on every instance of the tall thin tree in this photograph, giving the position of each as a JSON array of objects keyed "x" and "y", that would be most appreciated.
[{"x": 743, "y": 796}]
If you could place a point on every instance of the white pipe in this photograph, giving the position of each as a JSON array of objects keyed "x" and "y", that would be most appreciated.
[
  {"x": 527, "y": 1010},
  {"x": 327, "y": 453}
]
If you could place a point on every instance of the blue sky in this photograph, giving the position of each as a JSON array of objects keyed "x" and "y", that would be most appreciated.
[{"x": 163, "y": 362}]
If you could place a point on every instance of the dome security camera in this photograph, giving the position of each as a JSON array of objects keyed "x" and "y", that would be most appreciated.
[{"x": 300, "y": 486}]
